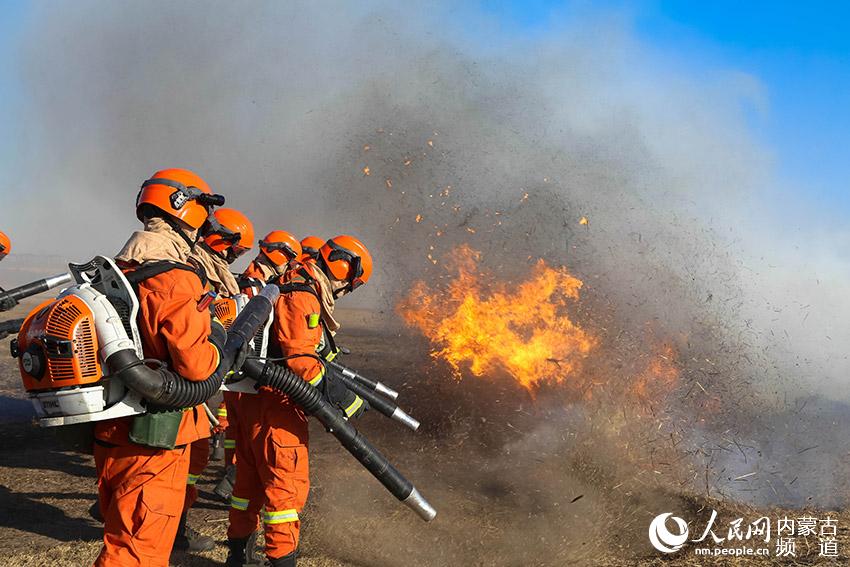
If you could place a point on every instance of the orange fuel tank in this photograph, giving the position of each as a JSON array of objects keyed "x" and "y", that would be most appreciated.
[
  {"x": 57, "y": 346},
  {"x": 226, "y": 309}
]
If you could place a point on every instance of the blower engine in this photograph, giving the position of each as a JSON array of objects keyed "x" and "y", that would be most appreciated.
[
  {"x": 226, "y": 310},
  {"x": 59, "y": 353}
]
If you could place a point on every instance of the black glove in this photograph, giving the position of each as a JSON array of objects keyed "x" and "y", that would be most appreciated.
[
  {"x": 218, "y": 337},
  {"x": 8, "y": 303},
  {"x": 335, "y": 392},
  {"x": 241, "y": 356}
]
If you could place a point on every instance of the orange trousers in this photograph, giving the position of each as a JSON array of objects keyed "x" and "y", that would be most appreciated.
[
  {"x": 272, "y": 473},
  {"x": 199, "y": 458},
  {"x": 231, "y": 408},
  {"x": 141, "y": 493}
]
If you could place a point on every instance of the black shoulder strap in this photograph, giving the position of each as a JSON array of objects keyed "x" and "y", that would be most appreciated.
[
  {"x": 244, "y": 281},
  {"x": 151, "y": 269},
  {"x": 289, "y": 287},
  {"x": 306, "y": 286},
  {"x": 330, "y": 343},
  {"x": 200, "y": 271}
]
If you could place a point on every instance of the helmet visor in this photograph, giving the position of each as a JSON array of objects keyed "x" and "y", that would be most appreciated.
[
  {"x": 214, "y": 227},
  {"x": 184, "y": 194},
  {"x": 279, "y": 247},
  {"x": 355, "y": 266}
]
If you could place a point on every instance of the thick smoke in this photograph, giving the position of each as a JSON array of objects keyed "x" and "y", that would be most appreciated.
[{"x": 501, "y": 142}]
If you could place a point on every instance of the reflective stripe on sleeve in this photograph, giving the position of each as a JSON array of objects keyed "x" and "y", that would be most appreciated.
[
  {"x": 318, "y": 378},
  {"x": 355, "y": 405}
]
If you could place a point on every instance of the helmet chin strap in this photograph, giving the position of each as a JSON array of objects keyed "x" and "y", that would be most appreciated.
[
  {"x": 343, "y": 290},
  {"x": 320, "y": 261},
  {"x": 179, "y": 230},
  {"x": 216, "y": 253}
]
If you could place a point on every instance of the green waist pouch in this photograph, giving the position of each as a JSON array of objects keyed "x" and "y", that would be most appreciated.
[{"x": 157, "y": 428}]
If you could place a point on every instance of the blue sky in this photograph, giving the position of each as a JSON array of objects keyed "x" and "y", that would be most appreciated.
[{"x": 800, "y": 51}]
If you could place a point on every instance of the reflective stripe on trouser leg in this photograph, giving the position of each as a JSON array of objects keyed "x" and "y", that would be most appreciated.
[
  {"x": 230, "y": 443},
  {"x": 248, "y": 486},
  {"x": 280, "y": 516},
  {"x": 286, "y": 484},
  {"x": 193, "y": 479},
  {"x": 244, "y": 514}
]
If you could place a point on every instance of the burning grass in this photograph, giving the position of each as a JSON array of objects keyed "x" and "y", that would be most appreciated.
[{"x": 488, "y": 325}]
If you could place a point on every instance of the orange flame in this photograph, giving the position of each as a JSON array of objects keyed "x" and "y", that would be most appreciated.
[{"x": 490, "y": 326}]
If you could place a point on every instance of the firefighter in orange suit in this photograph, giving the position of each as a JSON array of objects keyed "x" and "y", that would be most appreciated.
[
  {"x": 272, "y": 479},
  {"x": 5, "y": 248},
  {"x": 310, "y": 246},
  {"x": 141, "y": 477},
  {"x": 277, "y": 250},
  {"x": 227, "y": 234},
  {"x": 5, "y": 245}
]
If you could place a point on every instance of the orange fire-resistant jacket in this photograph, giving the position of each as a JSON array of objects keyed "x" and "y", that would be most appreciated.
[
  {"x": 173, "y": 330},
  {"x": 263, "y": 269},
  {"x": 297, "y": 326}
]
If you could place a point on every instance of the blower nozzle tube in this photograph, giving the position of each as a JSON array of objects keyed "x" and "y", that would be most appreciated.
[
  {"x": 378, "y": 402},
  {"x": 165, "y": 388},
  {"x": 36, "y": 287},
  {"x": 379, "y": 387},
  {"x": 11, "y": 326},
  {"x": 311, "y": 401}
]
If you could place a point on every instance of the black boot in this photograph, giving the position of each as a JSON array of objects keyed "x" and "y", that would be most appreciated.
[
  {"x": 236, "y": 551},
  {"x": 217, "y": 453},
  {"x": 94, "y": 511},
  {"x": 190, "y": 540},
  {"x": 254, "y": 556},
  {"x": 243, "y": 552},
  {"x": 224, "y": 488},
  {"x": 287, "y": 560}
]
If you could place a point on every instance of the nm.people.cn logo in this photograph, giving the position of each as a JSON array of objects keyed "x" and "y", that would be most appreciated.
[{"x": 665, "y": 540}]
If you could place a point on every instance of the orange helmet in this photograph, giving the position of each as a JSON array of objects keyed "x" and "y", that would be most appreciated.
[
  {"x": 310, "y": 247},
  {"x": 179, "y": 193},
  {"x": 229, "y": 230},
  {"x": 5, "y": 245},
  {"x": 280, "y": 247},
  {"x": 348, "y": 260}
]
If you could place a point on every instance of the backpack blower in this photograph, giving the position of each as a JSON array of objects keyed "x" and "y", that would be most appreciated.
[{"x": 81, "y": 358}]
